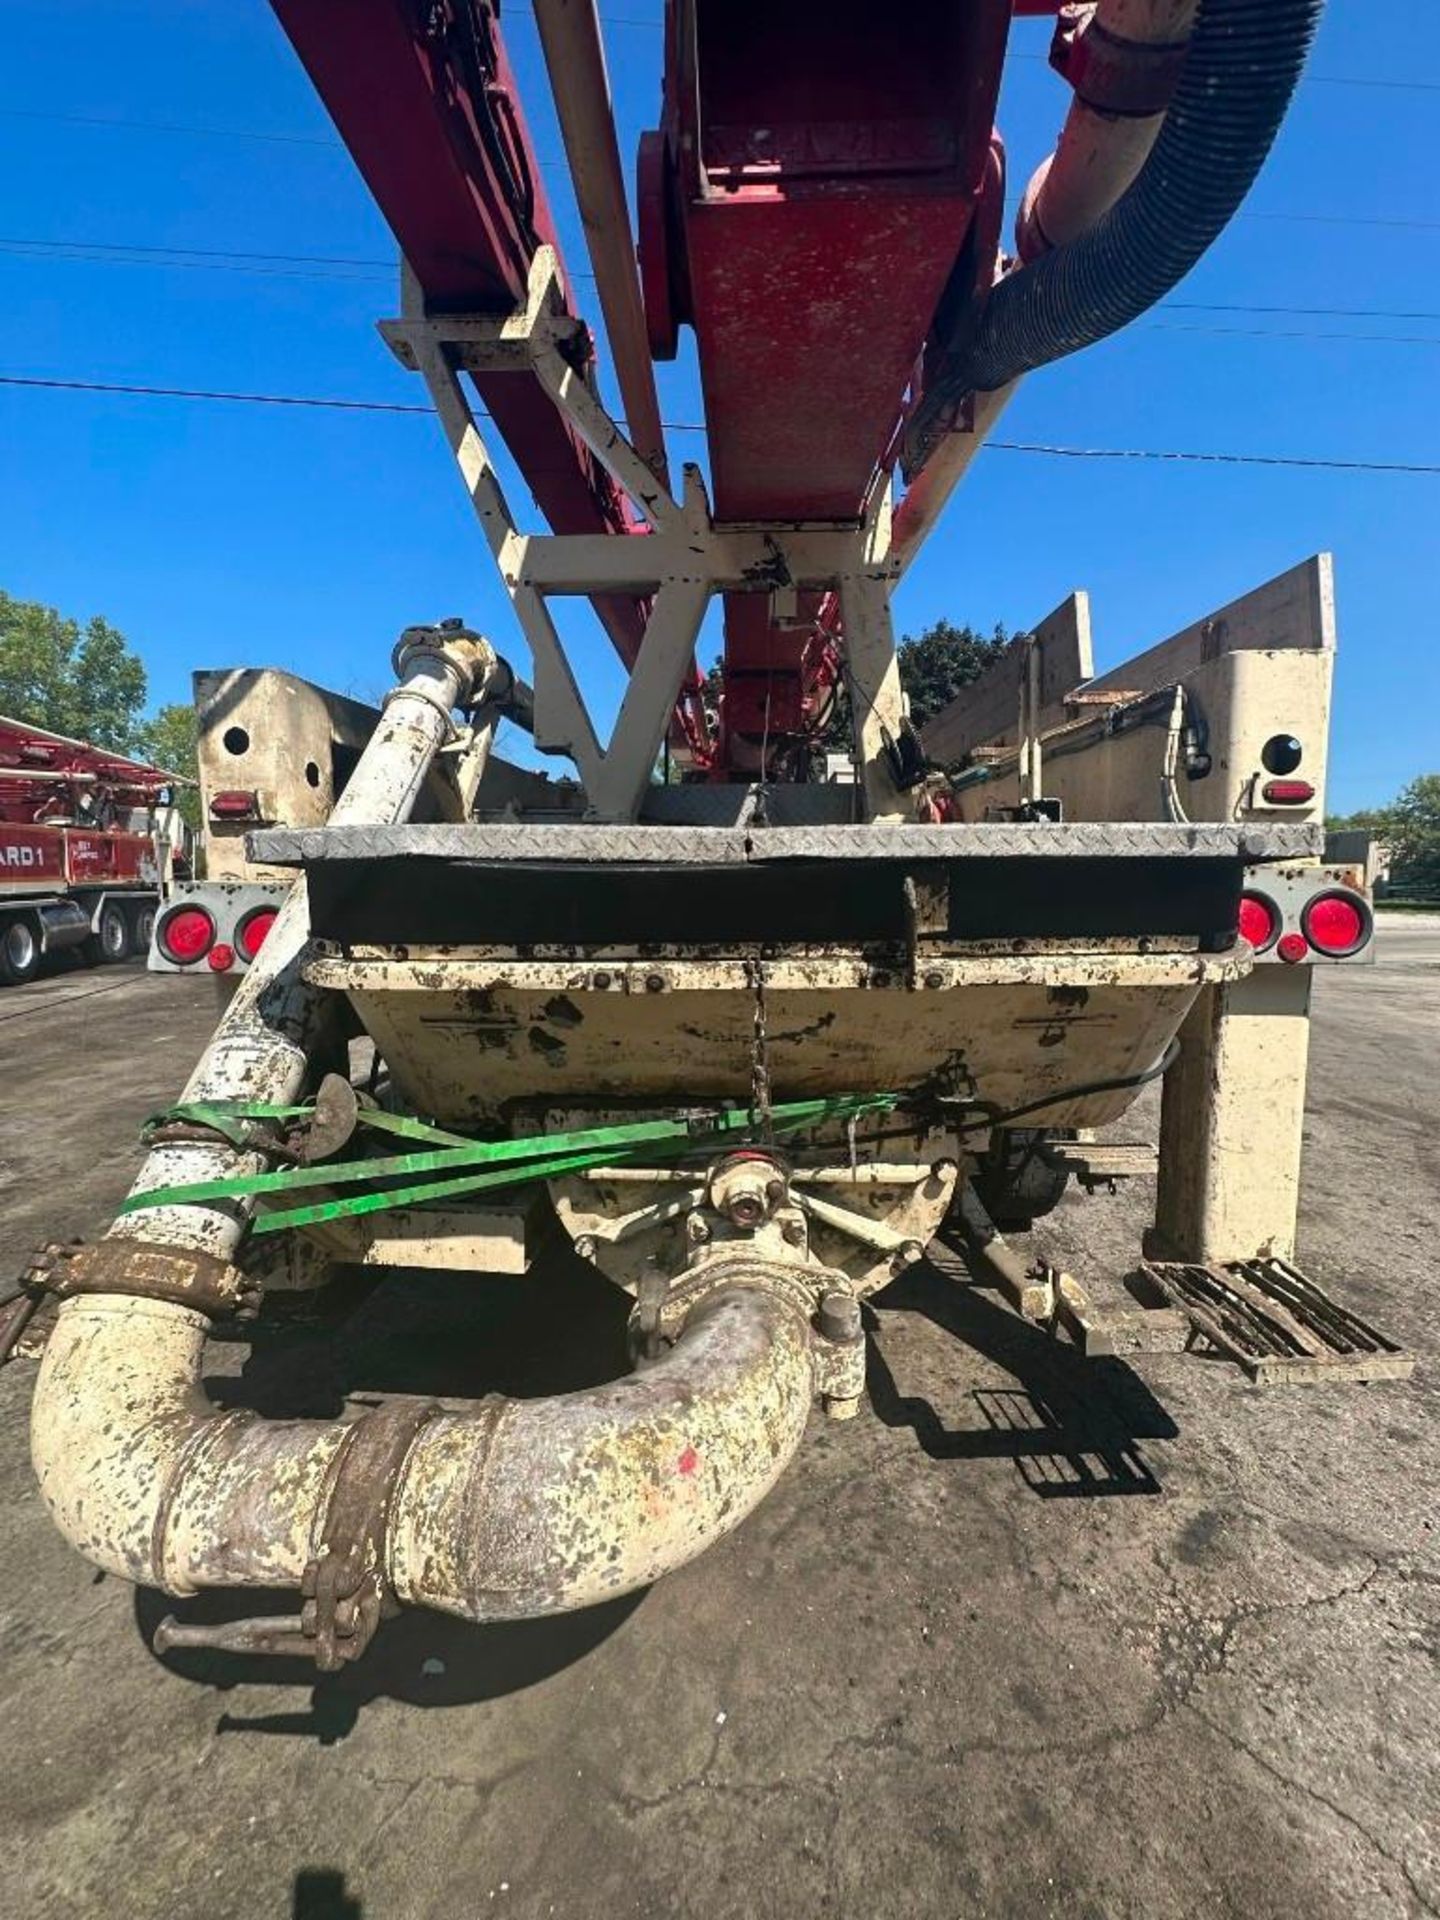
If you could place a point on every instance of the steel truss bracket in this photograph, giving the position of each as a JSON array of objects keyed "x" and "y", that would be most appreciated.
[{"x": 677, "y": 566}]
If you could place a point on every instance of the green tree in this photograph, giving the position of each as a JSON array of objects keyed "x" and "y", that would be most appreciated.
[
  {"x": 1409, "y": 828},
  {"x": 1413, "y": 830},
  {"x": 86, "y": 682},
  {"x": 941, "y": 659},
  {"x": 934, "y": 665},
  {"x": 170, "y": 739}
]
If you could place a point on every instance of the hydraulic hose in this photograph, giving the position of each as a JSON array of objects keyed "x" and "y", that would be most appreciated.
[{"x": 1244, "y": 61}]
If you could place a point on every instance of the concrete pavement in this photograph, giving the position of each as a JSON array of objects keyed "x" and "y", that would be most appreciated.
[{"x": 1034, "y": 1637}]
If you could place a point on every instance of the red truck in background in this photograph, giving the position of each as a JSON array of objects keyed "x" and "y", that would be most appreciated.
[{"x": 88, "y": 845}]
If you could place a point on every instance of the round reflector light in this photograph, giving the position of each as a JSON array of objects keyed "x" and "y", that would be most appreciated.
[
  {"x": 221, "y": 958},
  {"x": 250, "y": 936},
  {"x": 1259, "y": 922},
  {"x": 1336, "y": 924},
  {"x": 186, "y": 935},
  {"x": 1293, "y": 948}
]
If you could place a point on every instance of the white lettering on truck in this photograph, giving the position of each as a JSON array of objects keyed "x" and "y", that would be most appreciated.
[{"x": 21, "y": 856}]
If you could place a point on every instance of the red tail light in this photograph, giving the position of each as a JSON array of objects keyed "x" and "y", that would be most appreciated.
[
  {"x": 221, "y": 958},
  {"x": 1287, "y": 793},
  {"x": 1293, "y": 948},
  {"x": 237, "y": 803},
  {"x": 1259, "y": 922},
  {"x": 1336, "y": 924},
  {"x": 186, "y": 935},
  {"x": 250, "y": 935}
]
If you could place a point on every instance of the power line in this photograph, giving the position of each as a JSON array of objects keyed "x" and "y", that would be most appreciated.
[
  {"x": 1326, "y": 313},
  {"x": 213, "y": 393},
  {"x": 127, "y": 125},
  {"x": 329, "y": 268},
  {"x": 1313, "y": 79},
  {"x": 366, "y": 269},
  {"x": 338, "y": 404},
  {"x": 1345, "y": 220},
  {"x": 205, "y": 253},
  {"x": 1294, "y": 333},
  {"x": 1215, "y": 459}
]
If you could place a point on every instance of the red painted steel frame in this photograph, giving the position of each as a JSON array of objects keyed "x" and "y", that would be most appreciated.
[
  {"x": 46, "y": 843},
  {"x": 424, "y": 98},
  {"x": 825, "y": 159},
  {"x": 805, "y": 207},
  {"x": 38, "y": 770}
]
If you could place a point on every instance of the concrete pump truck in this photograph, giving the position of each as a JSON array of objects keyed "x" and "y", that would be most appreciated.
[{"x": 751, "y": 1036}]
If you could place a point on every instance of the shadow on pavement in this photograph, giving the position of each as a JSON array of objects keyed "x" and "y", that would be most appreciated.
[
  {"x": 320, "y": 1894},
  {"x": 1072, "y": 1426},
  {"x": 424, "y": 1659}
]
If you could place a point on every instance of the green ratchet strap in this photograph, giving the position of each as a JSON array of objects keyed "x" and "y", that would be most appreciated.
[{"x": 465, "y": 1166}]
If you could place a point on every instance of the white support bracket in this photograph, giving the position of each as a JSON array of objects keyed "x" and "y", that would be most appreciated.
[{"x": 678, "y": 565}]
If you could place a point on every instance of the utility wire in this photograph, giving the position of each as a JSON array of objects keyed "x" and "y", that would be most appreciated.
[
  {"x": 1321, "y": 79},
  {"x": 1215, "y": 459},
  {"x": 690, "y": 426},
  {"x": 215, "y": 393},
  {"x": 204, "y": 253},
  {"x": 1318, "y": 313},
  {"x": 325, "y": 141},
  {"x": 1293, "y": 333},
  {"x": 1310, "y": 79},
  {"x": 364, "y": 270}
]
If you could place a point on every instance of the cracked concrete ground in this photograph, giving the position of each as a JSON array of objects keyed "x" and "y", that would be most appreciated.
[{"x": 1034, "y": 1637}]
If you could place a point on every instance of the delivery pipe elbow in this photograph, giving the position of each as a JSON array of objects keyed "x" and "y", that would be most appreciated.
[
  {"x": 523, "y": 1508},
  {"x": 503, "y": 1510}
]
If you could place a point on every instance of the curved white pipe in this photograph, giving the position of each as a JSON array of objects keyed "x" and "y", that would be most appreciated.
[
  {"x": 503, "y": 1510},
  {"x": 1096, "y": 158},
  {"x": 1098, "y": 154}
]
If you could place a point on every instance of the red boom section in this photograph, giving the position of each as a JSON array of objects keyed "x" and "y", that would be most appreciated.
[
  {"x": 65, "y": 811},
  {"x": 805, "y": 207},
  {"x": 42, "y": 773},
  {"x": 422, "y": 94}
]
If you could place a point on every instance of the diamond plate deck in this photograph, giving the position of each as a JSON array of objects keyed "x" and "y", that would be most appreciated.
[{"x": 651, "y": 846}]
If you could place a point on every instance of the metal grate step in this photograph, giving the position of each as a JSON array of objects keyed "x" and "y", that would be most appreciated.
[{"x": 1279, "y": 1326}]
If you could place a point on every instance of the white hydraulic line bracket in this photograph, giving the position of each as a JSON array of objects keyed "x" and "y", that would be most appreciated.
[{"x": 678, "y": 565}]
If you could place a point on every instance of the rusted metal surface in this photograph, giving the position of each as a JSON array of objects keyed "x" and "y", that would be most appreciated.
[
  {"x": 829, "y": 1206},
  {"x": 1277, "y": 1324},
  {"x": 185, "y": 1277},
  {"x": 519, "y": 1508},
  {"x": 465, "y": 1039},
  {"x": 345, "y": 1590},
  {"x": 117, "y": 1405}
]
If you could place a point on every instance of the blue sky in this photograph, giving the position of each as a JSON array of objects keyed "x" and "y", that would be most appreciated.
[{"x": 215, "y": 534}]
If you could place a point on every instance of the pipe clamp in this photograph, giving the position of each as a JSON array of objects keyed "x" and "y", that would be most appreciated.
[
  {"x": 181, "y": 1276},
  {"x": 1132, "y": 79}
]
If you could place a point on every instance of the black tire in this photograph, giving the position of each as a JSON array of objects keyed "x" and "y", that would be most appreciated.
[
  {"x": 110, "y": 942},
  {"x": 19, "y": 952},
  {"x": 142, "y": 928},
  {"x": 1016, "y": 1183}
]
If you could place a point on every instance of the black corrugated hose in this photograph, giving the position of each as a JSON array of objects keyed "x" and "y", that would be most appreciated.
[{"x": 1244, "y": 61}]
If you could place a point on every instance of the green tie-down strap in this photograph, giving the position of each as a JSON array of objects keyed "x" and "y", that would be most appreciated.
[{"x": 454, "y": 1166}]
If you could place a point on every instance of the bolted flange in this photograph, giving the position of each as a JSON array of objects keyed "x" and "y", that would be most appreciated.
[{"x": 747, "y": 1188}]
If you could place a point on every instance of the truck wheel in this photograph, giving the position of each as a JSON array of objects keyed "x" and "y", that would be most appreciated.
[
  {"x": 111, "y": 939},
  {"x": 142, "y": 929},
  {"x": 19, "y": 953},
  {"x": 1015, "y": 1182}
]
